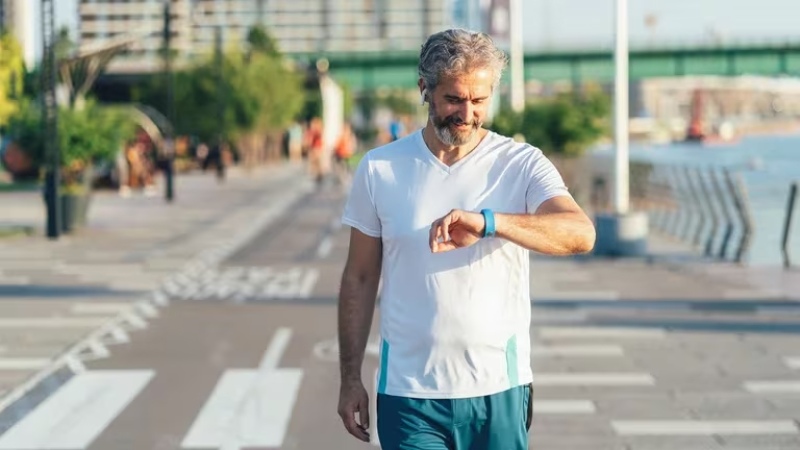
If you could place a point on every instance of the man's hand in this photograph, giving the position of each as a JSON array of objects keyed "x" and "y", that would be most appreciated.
[
  {"x": 457, "y": 229},
  {"x": 353, "y": 399}
]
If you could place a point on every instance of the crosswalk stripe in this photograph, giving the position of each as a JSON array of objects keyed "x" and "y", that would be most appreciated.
[
  {"x": 100, "y": 308},
  {"x": 792, "y": 362},
  {"x": 703, "y": 428},
  {"x": 544, "y": 351},
  {"x": 599, "y": 332},
  {"x": 563, "y": 407},
  {"x": 76, "y": 414},
  {"x": 23, "y": 363},
  {"x": 772, "y": 387},
  {"x": 249, "y": 407},
  {"x": 593, "y": 379},
  {"x": 52, "y": 322}
]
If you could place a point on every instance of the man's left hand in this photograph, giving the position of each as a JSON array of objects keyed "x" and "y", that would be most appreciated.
[{"x": 457, "y": 229}]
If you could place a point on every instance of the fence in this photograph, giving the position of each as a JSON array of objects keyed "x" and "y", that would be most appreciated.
[{"x": 707, "y": 207}]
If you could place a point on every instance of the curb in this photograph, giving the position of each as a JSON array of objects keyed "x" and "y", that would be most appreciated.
[{"x": 115, "y": 331}]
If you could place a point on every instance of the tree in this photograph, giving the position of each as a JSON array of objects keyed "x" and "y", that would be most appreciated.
[
  {"x": 12, "y": 75},
  {"x": 262, "y": 42},
  {"x": 566, "y": 124}
]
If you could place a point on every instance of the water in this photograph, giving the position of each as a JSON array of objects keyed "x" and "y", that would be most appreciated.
[{"x": 768, "y": 165}]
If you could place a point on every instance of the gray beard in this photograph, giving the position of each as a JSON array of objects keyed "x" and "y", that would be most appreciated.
[{"x": 448, "y": 138}]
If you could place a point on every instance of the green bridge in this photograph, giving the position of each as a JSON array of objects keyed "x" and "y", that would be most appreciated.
[{"x": 399, "y": 70}]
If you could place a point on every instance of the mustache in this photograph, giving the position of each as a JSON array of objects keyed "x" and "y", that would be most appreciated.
[{"x": 454, "y": 120}]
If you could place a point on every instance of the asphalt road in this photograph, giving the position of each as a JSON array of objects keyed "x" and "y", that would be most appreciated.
[{"x": 245, "y": 357}]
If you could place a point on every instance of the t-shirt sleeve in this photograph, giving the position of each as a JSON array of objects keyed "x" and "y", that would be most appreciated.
[
  {"x": 544, "y": 182},
  {"x": 359, "y": 209}
]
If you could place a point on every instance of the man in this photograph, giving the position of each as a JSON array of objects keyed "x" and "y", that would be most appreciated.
[{"x": 447, "y": 215}]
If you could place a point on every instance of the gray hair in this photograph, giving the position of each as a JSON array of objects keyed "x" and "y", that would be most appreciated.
[{"x": 456, "y": 51}]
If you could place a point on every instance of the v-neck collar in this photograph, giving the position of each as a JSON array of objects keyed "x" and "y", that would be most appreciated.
[{"x": 428, "y": 155}]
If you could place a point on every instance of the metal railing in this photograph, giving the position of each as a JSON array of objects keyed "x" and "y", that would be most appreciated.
[
  {"x": 703, "y": 207},
  {"x": 707, "y": 208},
  {"x": 787, "y": 224}
]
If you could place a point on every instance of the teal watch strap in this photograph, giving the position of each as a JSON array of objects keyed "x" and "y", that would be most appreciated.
[{"x": 488, "y": 218}]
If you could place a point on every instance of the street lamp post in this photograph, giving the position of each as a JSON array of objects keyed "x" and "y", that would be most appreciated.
[
  {"x": 621, "y": 158},
  {"x": 621, "y": 232},
  {"x": 50, "y": 122},
  {"x": 517, "y": 60},
  {"x": 168, "y": 156}
]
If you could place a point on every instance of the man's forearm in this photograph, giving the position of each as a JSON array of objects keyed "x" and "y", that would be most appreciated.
[
  {"x": 561, "y": 233},
  {"x": 356, "y": 308}
]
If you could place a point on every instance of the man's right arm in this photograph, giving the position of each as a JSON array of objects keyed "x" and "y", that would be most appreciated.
[{"x": 357, "y": 296}]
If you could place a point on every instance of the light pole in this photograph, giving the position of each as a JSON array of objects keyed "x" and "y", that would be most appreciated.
[
  {"x": 517, "y": 59},
  {"x": 168, "y": 157},
  {"x": 621, "y": 157},
  {"x": 621, "y": 232},
  {"x": 50, "y": 122}
]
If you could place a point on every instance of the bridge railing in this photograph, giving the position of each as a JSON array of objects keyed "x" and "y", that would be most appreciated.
[{"x": 708, "y": 209}]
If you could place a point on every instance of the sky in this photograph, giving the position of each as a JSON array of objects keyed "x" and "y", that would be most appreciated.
[{"x": 590, "y": 23}]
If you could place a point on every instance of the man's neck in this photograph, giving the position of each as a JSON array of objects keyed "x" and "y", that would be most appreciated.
[{"x": 447, "y": 154}]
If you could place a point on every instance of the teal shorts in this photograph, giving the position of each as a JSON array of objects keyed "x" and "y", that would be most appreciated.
[{"x": 493, "y": 422}]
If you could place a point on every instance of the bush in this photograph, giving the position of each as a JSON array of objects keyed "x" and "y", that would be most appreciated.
[
  {"x": 85, "y": 137},
  {"x": 564, "y": 125}
]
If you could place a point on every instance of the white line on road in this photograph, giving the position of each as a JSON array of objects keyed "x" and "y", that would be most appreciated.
[
  {"x": 545, "y": 351},
  {"x": 23, "y": 363},
  {"x": 599, "y": 332},
  {"x": 324, "y": 248},
  {"x": 76, "y": 414},
  {"x": 792, "y": 362},
  {"x": 593, "y": 379},
  {"x": 575, "y": 296},
  {"x": 274, "y": 352},
  {"x": 772, "y": 387},
  {"x": 249, "y": 407},
  {"x": 702, "y": 428},
  {"x": 52, "y": 322},
  {"x": 563, "y": 407},
  {"x": 100, "y": 308},
  {"x": 246, "y": 409}
]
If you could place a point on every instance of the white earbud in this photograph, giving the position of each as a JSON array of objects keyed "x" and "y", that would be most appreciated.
[{"x": 422, "y": 97}]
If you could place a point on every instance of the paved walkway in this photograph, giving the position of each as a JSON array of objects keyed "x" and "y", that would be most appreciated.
[
  {"x": 665, "y": 352},
  {"x": 55, "y": 294}
]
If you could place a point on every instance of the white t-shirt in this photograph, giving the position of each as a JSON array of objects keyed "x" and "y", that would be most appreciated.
[{"x": 454, "y": 324}]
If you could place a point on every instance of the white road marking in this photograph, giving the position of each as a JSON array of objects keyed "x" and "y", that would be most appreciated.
[
  {"x": 100, "y": 308},
  {"x": 78, "y": 412},
  {"x": 575, "y": 295},
  {"x": 249, "y": 407},
  {"x": 702, "y": 428},
  {"x": 772, "y": 387},
  {"x": 600, "y": 332},
  {"x": 325, "y": 247},
  {"x": 792, "y": 362},
  {"x": 272, "y": 356},
  {"x": 52, "y": 322},
  {"x": 545, "y": 351},
  {"x": 563, "y": 407},
  {"x": 593, "y": 379},
  {"x": 23, "y": 363}
]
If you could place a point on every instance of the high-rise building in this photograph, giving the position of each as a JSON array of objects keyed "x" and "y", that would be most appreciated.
[
  {"x": 104, "y": 20},
  {"x": 16, "y": 16},
  {"x": 299, "y": 26}
]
